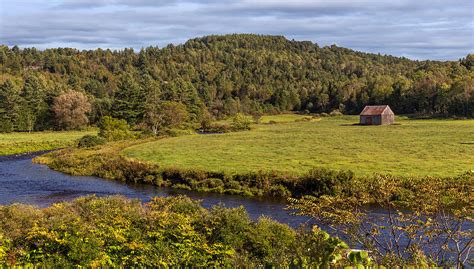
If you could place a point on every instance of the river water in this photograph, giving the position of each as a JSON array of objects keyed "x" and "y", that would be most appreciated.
[{"x": 22, "y": 181}]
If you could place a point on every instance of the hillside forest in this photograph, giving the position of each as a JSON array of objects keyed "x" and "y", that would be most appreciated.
[{"x": 218, "y": 76}]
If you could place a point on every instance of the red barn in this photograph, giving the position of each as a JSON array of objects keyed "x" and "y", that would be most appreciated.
[{"x": 377, "y": 115}]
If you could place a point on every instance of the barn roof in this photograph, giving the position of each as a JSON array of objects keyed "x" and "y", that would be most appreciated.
[{"x": 374, "y": 110}]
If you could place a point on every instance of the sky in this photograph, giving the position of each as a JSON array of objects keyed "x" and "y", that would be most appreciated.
[{"x": 416, "y": 29}]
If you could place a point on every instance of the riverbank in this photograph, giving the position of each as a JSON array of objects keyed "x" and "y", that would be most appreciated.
[
  {"x": 106, "y": 161},
  {"x": 23, "y": 156}
]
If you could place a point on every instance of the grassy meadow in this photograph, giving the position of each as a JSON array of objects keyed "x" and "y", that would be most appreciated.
[
  {"x": 16, "y": 143},
  {"x": 412, "y": 147},
  {"x": 279, "y": 118}
]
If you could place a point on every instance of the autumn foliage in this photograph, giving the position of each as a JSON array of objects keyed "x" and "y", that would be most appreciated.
[
  {"x": 117, "y": 232},
  {"x": 71, "y": 110}
]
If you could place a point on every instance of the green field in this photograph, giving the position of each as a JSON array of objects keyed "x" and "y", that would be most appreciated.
[
  {"x": 15, "y": 143},
  {"x": 412, "y": 147},
  {"x": 280, "y": 118}
]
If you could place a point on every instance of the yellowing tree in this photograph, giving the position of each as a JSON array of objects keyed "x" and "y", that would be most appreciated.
[{"x": 71, "y": 110}]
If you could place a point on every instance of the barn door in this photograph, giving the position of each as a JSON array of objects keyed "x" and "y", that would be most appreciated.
[{"x": 369, "y": 121}]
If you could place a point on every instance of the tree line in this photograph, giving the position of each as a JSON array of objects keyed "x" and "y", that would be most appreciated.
[{"x": 217, "y": 76}]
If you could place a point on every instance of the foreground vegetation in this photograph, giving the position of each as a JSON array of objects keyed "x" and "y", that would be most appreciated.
[
  {"x": 116, "y": 232},
  {"x": 427, "y": 222},
  {"x": 410, "y": 148},
  {"x": 16, "y": 143}
]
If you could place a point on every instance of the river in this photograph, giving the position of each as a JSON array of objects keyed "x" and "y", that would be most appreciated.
[{"x": 22, "y": 181}]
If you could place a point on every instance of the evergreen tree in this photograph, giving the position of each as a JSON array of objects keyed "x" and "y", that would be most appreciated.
[
  {"x": 129, "y": 100},
  {"x": 9, "y": 106},
  {"x": 33, "y": 106}
]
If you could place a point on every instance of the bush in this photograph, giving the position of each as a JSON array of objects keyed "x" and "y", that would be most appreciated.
[
  {"x": 172, "y": 232},
  {"x": 279, "y": 191},
  {"x": 114, "y": 129},
  {"x": 88, "y": 141},
  {"x": 321, "y": 181},
  {"x": 240, "y": 122},
  {"x": 324, "y": 114},
  {"x": 257, "y": 116},
  {"x": 335, "y": 113},
  {"x": 6, "y": 126},
  {"x": 218, "y": 128},
  {"x": 178, "y": 132},
  {"x": 145, "y": 133}
]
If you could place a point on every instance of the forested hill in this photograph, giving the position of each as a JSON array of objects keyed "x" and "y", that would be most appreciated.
[{"x": 224, "y": 75}]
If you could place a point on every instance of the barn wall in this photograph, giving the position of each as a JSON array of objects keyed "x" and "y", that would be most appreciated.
[
  {"x": 388, "y": 118},
  {"x": 376, "y": 120}
]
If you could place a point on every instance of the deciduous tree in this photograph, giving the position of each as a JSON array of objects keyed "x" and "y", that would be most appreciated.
[{"x": 71, "y": 110}]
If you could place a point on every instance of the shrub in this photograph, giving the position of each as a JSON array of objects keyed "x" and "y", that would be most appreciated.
[
  {"x": 178, "y": 132},
  {"x": 88, "y": 141},
  {"x": 114, "y": 129},
  {"x": 6, "y": 126},
  {"x": 324, "y": 114},
  {"x": 257, "y": 116},
  {"x": 418, "y": 211},
  {"x": 279, "y": 191},
  {"x": 218, "y": 128},
  {"x": 335, "y": 113},
  {"x": 145, "y": 133},
  {"x": 321, "y": 181},
  {"x": 240, "y": 122},
  {"x": 210, "y": 183},
  {"x": 271, "y": 242},
  {"x": 170, "y": 232},
  {"x": 123, "y": 169},
  {"x": 4, "y": 248}
]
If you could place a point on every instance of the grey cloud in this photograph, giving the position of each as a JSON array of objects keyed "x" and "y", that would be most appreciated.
[{"x": 422, "y": 30}]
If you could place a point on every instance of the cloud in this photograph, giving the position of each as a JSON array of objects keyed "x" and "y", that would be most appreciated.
[{"x": 422, "y": 30}]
